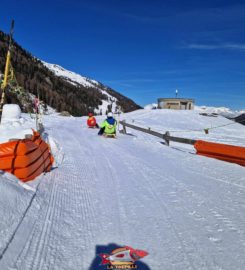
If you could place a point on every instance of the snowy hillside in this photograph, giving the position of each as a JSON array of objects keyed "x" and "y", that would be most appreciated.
[
  {"x": 77, "y": 79},
  {"x": 227, "y": 112},
  {"x": 70, "y": 76},
  {"x": 56, "y": 87},
  {"x": 151, "y": 106},
  {"x": 186, "y": 211},
  {"x": 190, "y": 124}
]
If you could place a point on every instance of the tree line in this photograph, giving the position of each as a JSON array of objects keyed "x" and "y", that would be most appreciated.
[{"x": 35, "y": 78}]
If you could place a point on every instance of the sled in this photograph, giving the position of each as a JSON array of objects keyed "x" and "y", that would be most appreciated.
[
  {"x": 92, "y": 127},
  {"x": 110, "y": 136}
]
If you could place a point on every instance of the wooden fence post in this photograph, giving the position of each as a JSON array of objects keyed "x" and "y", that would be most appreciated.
[
  {"x": 166, "y": 135},
  {"x": 124, "y": 131}
]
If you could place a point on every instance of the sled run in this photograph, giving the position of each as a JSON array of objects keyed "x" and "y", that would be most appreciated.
[{"x": 186, "y": 211}]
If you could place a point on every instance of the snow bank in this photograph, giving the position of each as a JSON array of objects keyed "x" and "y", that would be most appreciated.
[
  {"x": 13, "y": 126},
  {"x": 56, "y": 150},
  {"x": 14, "y": 201},
  {"x": 11, "y": 112},
  {"x": 7, "y": 133}
]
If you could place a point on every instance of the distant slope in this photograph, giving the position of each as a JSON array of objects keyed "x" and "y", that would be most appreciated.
[
  {"x": 59, "y": 88},
  {"x": 237, "y": 116},
  {"x": 190, "y": 124},
  {"x": 224, "y": 111},
  {"x": 112, "y": 100}
]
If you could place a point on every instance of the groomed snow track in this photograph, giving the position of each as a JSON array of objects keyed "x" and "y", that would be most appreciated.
[{"x": 186, "y": 211}]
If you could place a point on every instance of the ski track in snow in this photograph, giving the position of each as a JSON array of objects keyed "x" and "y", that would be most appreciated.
[{"x": 131, "y": 191}]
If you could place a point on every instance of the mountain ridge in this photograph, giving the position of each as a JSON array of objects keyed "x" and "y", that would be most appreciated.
[{"x": 62, "y": 94}]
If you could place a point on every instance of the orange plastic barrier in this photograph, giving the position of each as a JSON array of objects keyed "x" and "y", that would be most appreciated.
[
  {"x": 230, "y": 153},
  {"x": 26, "y": 158}
]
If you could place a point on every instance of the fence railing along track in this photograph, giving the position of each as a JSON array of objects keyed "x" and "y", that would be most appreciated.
[
  {"x": 165, "y": 136},
  {"x": 225, "y": 152}
]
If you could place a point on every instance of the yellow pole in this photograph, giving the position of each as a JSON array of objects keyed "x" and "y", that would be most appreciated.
[
  {"x": 6, "y": 72},
  {"x": 5, "y": 82}
]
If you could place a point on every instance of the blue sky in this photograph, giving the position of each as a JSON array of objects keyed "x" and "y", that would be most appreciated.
[{"x": 143, "y": 49}]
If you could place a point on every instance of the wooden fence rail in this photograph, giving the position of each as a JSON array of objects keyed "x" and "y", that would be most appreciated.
[
  {"x": 229, "y": 153},
  {"x": 165, "y": 136}
]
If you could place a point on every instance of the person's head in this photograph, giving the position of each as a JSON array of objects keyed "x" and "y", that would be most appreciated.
[
  {"x": 109, "y": 115},
  {"x": 90, "y": 114}
]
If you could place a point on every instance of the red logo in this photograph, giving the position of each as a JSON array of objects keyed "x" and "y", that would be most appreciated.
[{"x": 122, "y": 258}]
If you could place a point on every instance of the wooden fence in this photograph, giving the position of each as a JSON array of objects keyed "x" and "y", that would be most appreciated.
[
  {"x": 225, "y": 152},
  {"x": 165, "y": 136}
]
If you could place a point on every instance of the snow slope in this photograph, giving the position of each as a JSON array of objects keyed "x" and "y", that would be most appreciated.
[
  {"x": 151, "y": 106},
  {"x": 77, "y": 79},
  {"x": 189, "y": 124},
  {"x": 187, "y": 211},
  {"x": 227, "y": 112}
]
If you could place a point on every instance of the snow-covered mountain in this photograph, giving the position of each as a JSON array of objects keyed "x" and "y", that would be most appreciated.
[
  {"x": 109, "y": 102},
  {"x": 70, "y": 76},
  {"x": 224, "y": 111},
  {"x": 57, "y": 87},
  {"x": 236, "y": 115}
]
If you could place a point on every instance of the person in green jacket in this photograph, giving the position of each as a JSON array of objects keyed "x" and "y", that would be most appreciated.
[{"x": 109, "y": 126}]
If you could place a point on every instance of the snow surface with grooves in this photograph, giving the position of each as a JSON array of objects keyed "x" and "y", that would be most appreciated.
[
  {"x": 186, "y": 210},
  {"x": 77, "y": 79}
]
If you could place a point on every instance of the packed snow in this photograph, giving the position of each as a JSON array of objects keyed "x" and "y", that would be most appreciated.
[
  {"x": 14, "y": 201},
  {"x": 190, "y": 124},
  {"x": 186, "y": 211}
]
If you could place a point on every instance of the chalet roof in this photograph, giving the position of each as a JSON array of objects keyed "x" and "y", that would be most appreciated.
[{"x": 176, "y": 99}]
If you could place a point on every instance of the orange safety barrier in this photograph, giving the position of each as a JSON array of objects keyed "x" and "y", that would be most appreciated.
[
  {"x": 230, "y": 153},
  {"x": 26, "y": 158}
]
